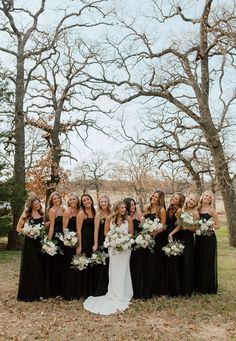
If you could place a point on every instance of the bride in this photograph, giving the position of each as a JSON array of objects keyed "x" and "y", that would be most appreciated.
[{"x": 120, "y": 289}]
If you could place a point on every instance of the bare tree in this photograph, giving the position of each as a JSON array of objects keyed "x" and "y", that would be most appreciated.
[
  {"x": 188, "y": 74},
  {"x": 23, "y": 42}
]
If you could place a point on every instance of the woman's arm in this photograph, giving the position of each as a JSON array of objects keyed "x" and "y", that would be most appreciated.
[
  {"x": 65, "y": 220},
  {"x": 79, "y": 223},
  {"x": 52, "y": 217},
  {"x": 96, "y": 229},
  {"x": 130, "y": 225},
  {"x": 215, "y": 217},
  {"x": 177, "y": 214},
  {"x": 162, "y": 219}
]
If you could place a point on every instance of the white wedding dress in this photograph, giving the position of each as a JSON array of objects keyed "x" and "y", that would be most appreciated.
[{"x": 120, "y": 289}]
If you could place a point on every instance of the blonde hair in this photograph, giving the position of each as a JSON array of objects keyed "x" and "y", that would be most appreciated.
[
  {"x": 116, "y": 207},
  {"x": 185, "y": 207},
  {"x": 108, "y": 200},
  {"x": 50, "y": 200},
  {"x": 73, "y": 194},
  {"x": 212, "y": 204}
]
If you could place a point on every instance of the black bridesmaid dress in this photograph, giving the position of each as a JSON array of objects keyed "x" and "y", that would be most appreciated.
[
  {"x": 205, "y": 262},
  {"x": 69, "y": 274},
  {"x": 187, "y": 262},
  {"x": 137, "y": 265},
  {"x": 172, "y": 281},
  {"x": 101, "y": 271},
  {"x": 159, "y": 265},
  {"x": 31, "y": 282},
  {"x": 85, "y": 279},
  {"x": 54, "y": 265}
]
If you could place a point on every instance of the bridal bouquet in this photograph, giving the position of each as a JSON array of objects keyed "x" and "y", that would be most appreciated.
[
  {"x": 32, "y": 230},
  {"x": 185, "y": 220},
  {"x": 173, "y": 248},
  {"x": 98, "y": 257},
  {"x": 49, "y": 246},
  {"x": 69, "y": 238},
  {"x": 117, "y": 240},
  {"x": 80, "y": 262},
  {"x": 151, "y": 226},
  {"x": 205, "y": 227},
  {"x": 144, "y": 240}
]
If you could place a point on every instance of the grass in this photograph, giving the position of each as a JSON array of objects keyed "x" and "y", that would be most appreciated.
[{"x": 203, "y": 317}]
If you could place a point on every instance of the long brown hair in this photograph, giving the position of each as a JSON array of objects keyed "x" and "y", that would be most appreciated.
[
  {"x": 116, "y": 207},
  {"x": 173, "y": 209},
  {"x": 109, "y": 203},
  {"x": 161, "y": 203},
  {"x": 92, "y": 204},
  {"x": 27, "y": 213}
]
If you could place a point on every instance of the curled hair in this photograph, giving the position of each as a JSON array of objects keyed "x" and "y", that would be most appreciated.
[
  {"x": 108, "y": 200},
  {"x": 115, "y": 214},
  {"x": 73, "y": 194},
  {"x": 212, "y": 204},
  {"x": 185, "y": 208},
  {"x": 172, "y": 209},
  {"x": 92, "y": 204},
  {"x": 127, "y": 202},
  {"x": 161, "y": 203},
  {"x": 27, "y": 213},
  {"x": 50, "y": 200}
]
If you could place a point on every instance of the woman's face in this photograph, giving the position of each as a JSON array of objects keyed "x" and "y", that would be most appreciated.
[
  {"x": 87, "y": 202},
  {"x": 36, "y": 205},
  {"x": 175, "y": 200},
  {"x": 122, "y": 209},
  {"x": 155, "y": 198},
  {"x": 56, "y": 200},
  {"x": 103, "y": 202},
  {"x": 207, "y": 198},
  {"x": 73, "y": 201},
  {"x": 192, "y": 201},
  {"x": 132, "y": 206}
]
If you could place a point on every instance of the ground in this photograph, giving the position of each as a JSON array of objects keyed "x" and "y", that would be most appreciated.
[{"x": 195, "y": 318}]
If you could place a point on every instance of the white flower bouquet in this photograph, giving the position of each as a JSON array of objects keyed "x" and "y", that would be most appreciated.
[
  {"x": 98, "y": 257},
  {"x": 32, "y": 230},
  {"x": 80, "y": 262},
  {"x": 69, "y": 238},
  {"x": 185, "y": 220},
  {"x": 151, "y": 226},
  {"x": 144, "y": 240},
  {"x": 205, "y": 227},
  {"x": 173, "y": 248},
  {"x": 49, "y": 246},
  {"x": 117, "y": 240}
]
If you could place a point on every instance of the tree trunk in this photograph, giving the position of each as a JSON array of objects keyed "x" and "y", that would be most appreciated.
[
  {"x": 18, "y": 193},
  {"x": 224, "y": 180}
]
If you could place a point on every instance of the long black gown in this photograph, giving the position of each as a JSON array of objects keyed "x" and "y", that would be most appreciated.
[
  {"x": 172, "y": 281},
  {"x": 101, "y": 271},
  {"x": 31, "y": 282},
  {"x": 187, "y": 262},
  {"x": 85, "y": 279},
  {"x": 137, "y": 266},
  {"x": 205, "y": 262},
  {"x": 69, "y": 274},
  {"x": 54, "y": 266},
  {"x": 148, "y": 271}
]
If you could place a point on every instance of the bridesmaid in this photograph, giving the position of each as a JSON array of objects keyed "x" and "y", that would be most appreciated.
[
  {"x": 31, "y": 282},
  {"x": 54, "y": 264},
  {"x": 205, "y": 262},
  {"x": 69, "y": 222},
  {"x": 172, "y": 264},
  {"x": 85, "y": 231},
  {"x": 154, "y": 270},
  {"x": 137, "y": 260},
  {"x": 101, "y": 271},
  {"x": 186, "y": 235}
]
